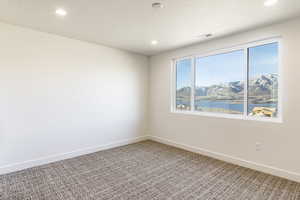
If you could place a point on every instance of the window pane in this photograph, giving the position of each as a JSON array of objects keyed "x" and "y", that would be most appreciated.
[
  {"x": 220, "y": 83},
  {"x": 183, "y": 84},
  {"x": 263, "y": 80}
]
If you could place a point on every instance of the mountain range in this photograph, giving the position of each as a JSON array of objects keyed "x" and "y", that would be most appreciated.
[{"x": 261, "y": 88}]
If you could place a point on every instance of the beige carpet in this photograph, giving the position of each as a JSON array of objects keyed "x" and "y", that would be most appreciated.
[{"x": 145, "y": 170}]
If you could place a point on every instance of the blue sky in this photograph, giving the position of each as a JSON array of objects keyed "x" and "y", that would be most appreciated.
[
  {"x": 220, "y": 68},
  {"x": 228, "y": 67},
  {"x": 183, "y": 73},
  {"x": 263, "y": 59}
]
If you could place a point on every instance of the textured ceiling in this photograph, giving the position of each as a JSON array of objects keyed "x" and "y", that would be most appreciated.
[{"x": 132, "y": 24}]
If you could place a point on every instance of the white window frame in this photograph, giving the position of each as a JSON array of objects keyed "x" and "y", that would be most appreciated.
[{"x": 245, "y": 115}]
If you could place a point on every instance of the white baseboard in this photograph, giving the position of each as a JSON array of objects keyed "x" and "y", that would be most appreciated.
[
  {"x": 53, "y": 158},
  {"x": 234, "y": 160}
]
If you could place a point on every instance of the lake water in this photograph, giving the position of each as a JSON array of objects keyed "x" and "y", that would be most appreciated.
[{"x": 226, "y": 105}]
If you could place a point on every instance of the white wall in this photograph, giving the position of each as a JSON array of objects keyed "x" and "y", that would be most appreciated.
[
  {"x": 60, "y": 95},
  {"x": 231, "y": 139}
]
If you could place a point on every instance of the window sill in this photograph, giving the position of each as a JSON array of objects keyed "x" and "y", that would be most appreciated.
[{"x": 229, "y": 116}]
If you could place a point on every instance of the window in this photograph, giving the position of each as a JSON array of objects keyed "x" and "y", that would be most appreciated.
[
  {"x": 263, "y": 80},
  {"x": 220, "y": 83},
  {"x": 183, "y": 84},
  {"x": 241, "y": 82}
]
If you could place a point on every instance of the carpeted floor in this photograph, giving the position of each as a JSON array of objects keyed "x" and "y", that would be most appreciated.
[{"x": 145, "y": 170}]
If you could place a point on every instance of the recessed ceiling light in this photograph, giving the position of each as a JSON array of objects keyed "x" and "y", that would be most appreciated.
[
  {"x": 270, "y": 2},
  {"x": 154, "y": 42},
  {"x": 157, "y": 5},
  {"x": 61, "y": 12}
]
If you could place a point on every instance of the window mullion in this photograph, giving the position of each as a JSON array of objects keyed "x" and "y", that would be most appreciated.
[
  {"x": 193, "y": 85},
  {"x": 174, "y": 84},
  {"x": 246, "y": 80}
]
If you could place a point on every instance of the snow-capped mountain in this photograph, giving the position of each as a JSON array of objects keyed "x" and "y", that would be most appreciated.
[{"x": 264, "y": 85}]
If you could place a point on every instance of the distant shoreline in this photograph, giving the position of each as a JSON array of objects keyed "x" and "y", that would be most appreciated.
[{"x": 223, "y": 106}]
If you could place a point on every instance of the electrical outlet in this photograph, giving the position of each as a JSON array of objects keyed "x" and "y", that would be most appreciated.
[{"x": 258, "y": 146}]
